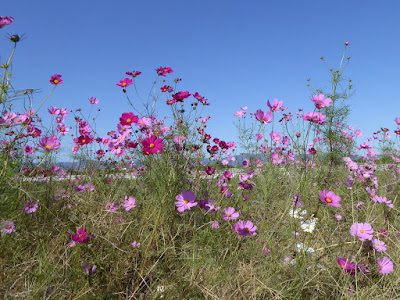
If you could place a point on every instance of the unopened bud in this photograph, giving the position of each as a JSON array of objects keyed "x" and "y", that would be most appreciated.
[
  {"x": 15, "y": 38},
  {"x": 346, "y": 43}
]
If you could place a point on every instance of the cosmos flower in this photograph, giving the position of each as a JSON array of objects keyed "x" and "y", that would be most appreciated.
[
  {"x": 30, "y": 207},
  {"x": 362, "y": 230},
  {"x": 329, "y": 198},
  {"x": 385, "y": 265},
  {"x": 185, "y": 201},
  {"x": 56, "y": 79}
]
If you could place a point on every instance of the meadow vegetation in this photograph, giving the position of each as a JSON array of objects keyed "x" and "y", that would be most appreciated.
[{"x": 160, "y": 209}]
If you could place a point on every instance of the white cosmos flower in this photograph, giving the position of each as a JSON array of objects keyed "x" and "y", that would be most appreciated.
[
  {"x": 302, "y": 248},
  {"x": 309, "y": 225},
  {"x": 297, "y": 213}
]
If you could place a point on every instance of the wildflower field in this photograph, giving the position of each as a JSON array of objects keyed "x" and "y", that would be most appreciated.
[{"x": 301, "y": 206}]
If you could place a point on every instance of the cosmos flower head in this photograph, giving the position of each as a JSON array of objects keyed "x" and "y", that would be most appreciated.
[
  {"x": 56, "y": 79},
  {"x": 185, "y": 201},
  {"x": 385, "y": 265},
  {"x": 330, "y": 198},
  {"x": 4, "y": 21},
  {"x": 245, "y": 228},
  {"x": 362, "y": 230}
]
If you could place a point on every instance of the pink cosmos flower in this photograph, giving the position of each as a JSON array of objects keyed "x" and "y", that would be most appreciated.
[
  {"x": 267, "y": 118},
  {"x": 275, "y": 105},
  {"x": 93, "y": 100},
  {"x": 185, "y": 201},
  {"x": 338, "y": 217},
  {"x": 125, "y": 82},
  {"x": 111, "y": 206},
  {"x": 53, "y": 110},
  {"x": 230, "y": 214},
  {"x": 56, "y": 79},
  {"x": 397, "y": 120},
  {"x": 134, "y": 73},
  {"x": 128, "y": 118},
  {"x": 320, "y": 102},
  {"x": 245, "y": 228},
  {"x": 362, "y": 230},
  {"x": 129, "y": 203},
  {"x": 30, "y": 207},
  {"x": 71, "y": 244},
  {"x": 329, "y": 198},
  {"x": 63, "y": 129},
  {"x": 49, "y": 143},
  {"x": 180, "y": 96},
  {"x": 315, "y": 117},
  {"x": 162, "y": 71},
  {"x": 88, "y": 270},
  {"x": 214, "y": 225},
  {"x": 152, "y": 145},
  {"x": 81, "y": 236},
  {"x": 28, "y": 150},
  {"x": 135, "y": 244},
  {"x": 7, "y": 227},
  {"x": 379, "y": 245},
  {"x": 4, "y": 21},
  {"x": 385, "y": 265}
]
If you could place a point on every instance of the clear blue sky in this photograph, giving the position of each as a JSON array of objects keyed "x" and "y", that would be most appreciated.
[{"x": 235, "y": 53}]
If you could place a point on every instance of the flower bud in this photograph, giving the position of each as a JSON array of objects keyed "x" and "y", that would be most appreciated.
[{"x": 15, "y": 38}]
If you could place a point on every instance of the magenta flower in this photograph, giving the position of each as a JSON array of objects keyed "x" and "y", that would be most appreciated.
[
  {"x": 244, "y": 228},
  {"x": 93, "y": 100},
  {"x": 71, "y": 244},
  {"x": 385, "y": 265},
  {"x": 4, "y": 21},
  {"x": 128, "y": 118},
  {"x": 379, "y": 245},
  {"x": 346, "y": 266},
  {"x": 230, "y": 214},
  {"x": 8, "y": 227},
  {"x": 28, "y": 150},
  {"x": 88, "y": 270},
  {"x": 56, "y": 79},
  {"x": 152, "y": 145},
  {"x": 129, "y": 203},
  {"x": 135, "y": 244},
  {"x": 362, "y": 230},
  {"x": 30, "y": 207},
  {"x": 263, "y": 118},
  {"x": 81, "y": 236},
  {"x": 275, "y": 105},
  {"x": 214, "y": 225},
  {"x": 62, "y": 129},
  {"x": 185, "y": 201},
  {"x": 329, "y": 198},
  {"x": 49, "y": 143},
  {"x": 320, "y": 102},
  {"x": 315, "y": 117},
  {"x": 111, "y": 206},
  {"x": 124, "y": 83},
  {"x": 180, "y": 96},
  {"x": 162, "y": 71}
]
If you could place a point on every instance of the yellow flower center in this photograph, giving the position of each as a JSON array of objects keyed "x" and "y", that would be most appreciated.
[
  {"x": 124, "y": 84},
  {"x": 228, "y": 215},
  {"x": 378, "y": 245},
  {"x": 362, "y": 231},
  {"x": 80, "y": 235},
  {"x": 151, "y": 145},
  {"x": 328, "y": 200},
  {"x": 55, "y": 81},
  {"x": 186, "y": 201},
  {"x": 129, "y": 120},
  {"x": 83, "y": 141},
  {"x": 47, "y": 146}
]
